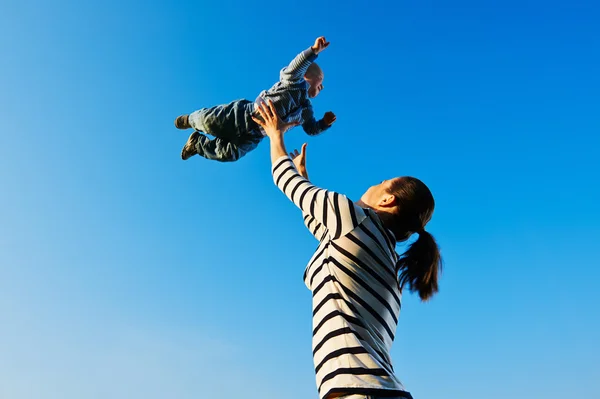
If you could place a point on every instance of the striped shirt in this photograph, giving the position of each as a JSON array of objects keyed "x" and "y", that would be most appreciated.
[
  {"x": 290, "y": 95},
  {"x": 356, "y": 296}
]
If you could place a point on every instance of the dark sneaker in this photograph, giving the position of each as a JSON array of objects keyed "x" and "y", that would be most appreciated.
[
  {"x": 182, "y": 122},
  {"x": 189, "y": 149}
]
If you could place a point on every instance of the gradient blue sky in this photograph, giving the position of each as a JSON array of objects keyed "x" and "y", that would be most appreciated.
[{"x": 128, "y": 273}]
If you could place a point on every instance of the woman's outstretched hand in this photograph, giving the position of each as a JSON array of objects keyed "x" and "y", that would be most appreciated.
[
  {"x": 274, "y": 128},
  {"x": 299, "y": 159},
  {"x": 271, "y": 123}
]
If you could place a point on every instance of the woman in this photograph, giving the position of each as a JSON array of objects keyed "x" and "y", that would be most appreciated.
[{"x": 355, "y": 275}]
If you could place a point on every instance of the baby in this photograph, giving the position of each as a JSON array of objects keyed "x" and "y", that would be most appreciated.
[{"x": 232, "y": 126}]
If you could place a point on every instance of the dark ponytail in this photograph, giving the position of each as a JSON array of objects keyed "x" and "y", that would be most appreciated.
[{"x": 420, "y": 264}]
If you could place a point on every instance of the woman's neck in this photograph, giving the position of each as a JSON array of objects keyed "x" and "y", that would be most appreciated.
[{"x": 386, "y": 217}]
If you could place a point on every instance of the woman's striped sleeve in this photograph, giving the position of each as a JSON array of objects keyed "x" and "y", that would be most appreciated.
[
  {"x": 334, "y": 211},
  {"x": 317, "y": 229}
]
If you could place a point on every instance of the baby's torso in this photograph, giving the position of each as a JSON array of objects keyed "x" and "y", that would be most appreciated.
[{"x": 289, "y": 100}]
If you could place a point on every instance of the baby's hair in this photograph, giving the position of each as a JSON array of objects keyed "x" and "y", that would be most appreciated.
[{"x": 313, "y": 71}]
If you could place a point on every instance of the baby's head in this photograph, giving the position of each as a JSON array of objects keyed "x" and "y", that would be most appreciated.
[{"x": 314, "y": 78}]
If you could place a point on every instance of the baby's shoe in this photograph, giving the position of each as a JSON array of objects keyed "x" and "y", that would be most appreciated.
[
  {"x": 189, "y": 149},
  {"x": 182, "y": 122}
]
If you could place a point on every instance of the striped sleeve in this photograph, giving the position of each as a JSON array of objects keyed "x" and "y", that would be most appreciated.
[
  {"x": 297, "y": 68},
  {"x": 335, "y": 212},
  {"x": 317, "y": 229}
]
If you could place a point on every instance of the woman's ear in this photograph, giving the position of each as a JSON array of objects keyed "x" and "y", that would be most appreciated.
[{"x": 387, "y": 200}]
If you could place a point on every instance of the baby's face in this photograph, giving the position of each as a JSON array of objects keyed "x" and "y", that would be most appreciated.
[{"x": 316, "y": 85}]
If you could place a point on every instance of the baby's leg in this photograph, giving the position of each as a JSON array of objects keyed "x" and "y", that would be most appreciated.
[
  {"x": 226, "y": 121},
  {"x": 222, "y": 150},
  {"x": 201, "y": 120}
]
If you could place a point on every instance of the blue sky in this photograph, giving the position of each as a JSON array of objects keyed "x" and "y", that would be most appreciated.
[{"x": 128, "y": 273}]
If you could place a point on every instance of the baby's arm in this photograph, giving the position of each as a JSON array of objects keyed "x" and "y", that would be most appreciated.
[
  {"x": 312, "y": 126},
  {"x": 297, "y": 68}
]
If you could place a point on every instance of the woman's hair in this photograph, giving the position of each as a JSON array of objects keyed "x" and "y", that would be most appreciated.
[{"x": 419, "y": 265}]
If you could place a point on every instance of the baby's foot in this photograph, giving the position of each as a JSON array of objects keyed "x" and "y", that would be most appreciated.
[
  {"x": 189, "y": 149},
  {"x": 182, "y": 122}
]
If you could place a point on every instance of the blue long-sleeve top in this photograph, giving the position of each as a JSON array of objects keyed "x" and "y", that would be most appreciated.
[{"x": 290, "y": 95}]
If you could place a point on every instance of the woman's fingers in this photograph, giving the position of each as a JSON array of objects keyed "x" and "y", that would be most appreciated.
[
  {"x": 259, "y": 121},
  {"x": 290, "y": 125},
  {"x": 262, "y": 110},
  {"x": 267, "y": 112},
  {"x": 272, "y": 109}
]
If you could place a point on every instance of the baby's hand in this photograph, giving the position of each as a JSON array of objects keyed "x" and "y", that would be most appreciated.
[
  {"x": 320, "y": 45},
  {"x": 329, "y": 118}
]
